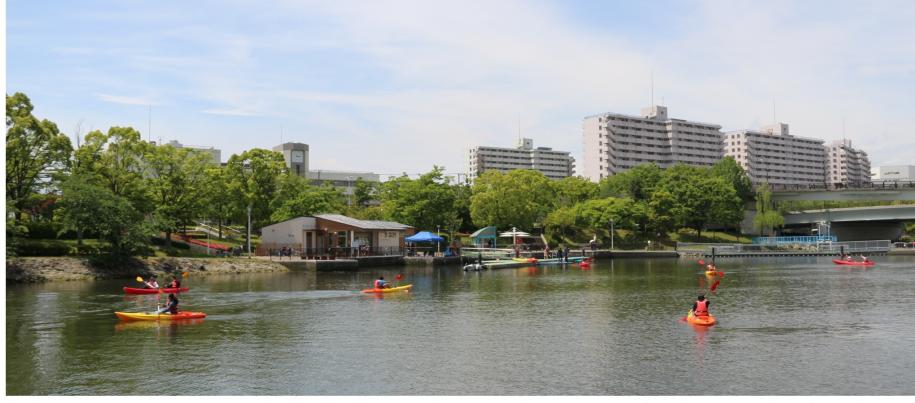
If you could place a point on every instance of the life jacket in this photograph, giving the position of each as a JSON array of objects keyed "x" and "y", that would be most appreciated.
[
  {"x": 701, "y": 308},
  {"x": 175, "y": 284},
  {"x": 379, "y": 283},
  {"x": 173, "y": 307}
]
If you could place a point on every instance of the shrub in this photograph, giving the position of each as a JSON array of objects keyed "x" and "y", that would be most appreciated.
[
  {"x": 43, "y": 229},
  {"x": 42, "y": 247}
]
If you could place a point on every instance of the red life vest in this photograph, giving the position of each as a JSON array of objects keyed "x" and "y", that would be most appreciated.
[
  {"x": 701, "y": 308},
  {"x": 378, "y": 284}
]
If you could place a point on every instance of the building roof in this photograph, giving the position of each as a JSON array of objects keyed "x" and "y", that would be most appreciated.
[{"x": 363, "y": 224}]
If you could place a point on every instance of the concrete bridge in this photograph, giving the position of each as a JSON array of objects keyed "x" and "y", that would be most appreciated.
[
  {"x": 857, "y": 223},
  {"x": 881, "y": 191}
]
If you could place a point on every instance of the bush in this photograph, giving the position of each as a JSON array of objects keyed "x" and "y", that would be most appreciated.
[
  {"x": 43, "y": 229},
  {"x": 42, "y": 247}
]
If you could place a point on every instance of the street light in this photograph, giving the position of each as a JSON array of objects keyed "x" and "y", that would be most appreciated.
[{"x": 611, "y": 234}]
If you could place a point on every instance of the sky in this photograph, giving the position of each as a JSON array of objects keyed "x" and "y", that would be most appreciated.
[{"x": 401, "y": 86}]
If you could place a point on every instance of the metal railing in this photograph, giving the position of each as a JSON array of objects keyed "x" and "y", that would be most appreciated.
[
  {"x": 823, "y": 247},
  {"x": 877, "y": 185},
  {"x": 785, "y": 240}
]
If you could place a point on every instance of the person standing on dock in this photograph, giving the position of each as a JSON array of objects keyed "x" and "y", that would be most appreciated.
[{"x": 565, "y": 254}]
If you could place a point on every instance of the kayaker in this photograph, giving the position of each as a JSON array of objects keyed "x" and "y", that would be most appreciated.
[
  {"x": 171, "y": 307},
  {"x": 151, "y": 283},
  {"x": 174, "y": 283},
  {"x": 863, "y": 258},
  {"x": 848, "y": 258},
  {"x": 380, "y": 283},
  {"x": 700, "y": 307}
]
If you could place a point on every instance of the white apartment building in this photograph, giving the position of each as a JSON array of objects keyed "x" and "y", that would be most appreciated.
[
  {"x": 773, "y": 155},
  {"x": 214, "y": 153},
  {"x": 614, "y": 143},
  {"x": 893, "y": 173},
  {"x": 848, "y": 166},
  {"x": 553, "y": 164}
]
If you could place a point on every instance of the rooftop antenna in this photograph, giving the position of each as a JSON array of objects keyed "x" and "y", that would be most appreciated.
[
  {"x": 652, "y": 87},
  {"x": 774, "y": 120}
]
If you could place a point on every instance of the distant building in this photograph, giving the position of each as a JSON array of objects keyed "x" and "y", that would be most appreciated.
[
  {"x": 553, "y": 164},
  {"x": 214, "y": 153},
  {"x": 893, "y": 173},
  {"x": 343, "y": 180},
  {"x": 296, "y": 157},
  {"x": 773, "y": 155},
  {"x": 848, "y": 166},
  {"x": 614, "y": 143}
]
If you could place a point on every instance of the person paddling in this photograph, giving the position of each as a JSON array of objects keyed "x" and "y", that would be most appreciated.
[
  {"x": 151, "y": 283},
  {"x": 700, "y": 307},
  {"x": 380, "y": 283},
  {"x": 174, "y": 283},
  {"x": 171, "y": 307}
]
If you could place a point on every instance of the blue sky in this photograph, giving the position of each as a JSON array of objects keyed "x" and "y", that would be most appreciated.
[{"x": 395, "y": 87}]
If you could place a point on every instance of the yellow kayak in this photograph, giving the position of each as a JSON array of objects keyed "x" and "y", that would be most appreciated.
[{"x": 387, "y": 290}]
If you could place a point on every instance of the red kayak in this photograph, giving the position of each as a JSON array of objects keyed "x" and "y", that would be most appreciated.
[
  {"x": 130, "y": 290},
  {"x": 847, "y": 263}
]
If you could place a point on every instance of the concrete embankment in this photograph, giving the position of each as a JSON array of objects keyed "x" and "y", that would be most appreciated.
[{"x": 40, "y": 269}]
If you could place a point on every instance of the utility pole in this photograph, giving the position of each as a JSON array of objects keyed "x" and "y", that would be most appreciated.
[
  {"x": 611, "y": 234},
  {"x": 249, "y": 230}
]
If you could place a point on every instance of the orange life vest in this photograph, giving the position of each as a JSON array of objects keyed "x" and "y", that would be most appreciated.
[{"x": 701, "y": 308}]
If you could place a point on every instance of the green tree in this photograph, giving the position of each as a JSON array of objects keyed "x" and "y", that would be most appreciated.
[
  {"x": 296, "y": 199},
  {"x": 729, "y": 170},
  {"x": 176, "y": 179},
  {"x": 219, "y": 201},
  {"x": 767, "y": 217},
  {"x": 574, "y": 189},
  {"x": 426, "y": 202},
  {"x": 364, "y": 192},
  {"x": 115, "y": 161},
  {"x": 637, "y": 183},
  {"x": 34, "y": 150},
  {"x": 97, "y": 209},
  {"x": 253, "y": 179},
  {"x": 517, "y": 198}
]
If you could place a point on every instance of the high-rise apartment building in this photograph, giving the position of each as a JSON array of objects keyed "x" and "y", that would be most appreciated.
[
  {"x": 773, "y": 155},
  {"x": 553, "y": 164},
  {"x": 848, "y": 166},
  {"x": 614, "y": 143}
]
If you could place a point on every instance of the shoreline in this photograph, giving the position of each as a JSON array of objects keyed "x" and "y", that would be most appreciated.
[{"x": 24, "y": 270}]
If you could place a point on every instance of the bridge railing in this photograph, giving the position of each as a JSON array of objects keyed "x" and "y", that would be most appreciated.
[
  {"x": 786, "y": 240},
  {"x": 823, "y": 247},
  {"x": 882, "y": 185}
]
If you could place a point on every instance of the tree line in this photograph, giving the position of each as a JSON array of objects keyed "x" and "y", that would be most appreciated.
[{"x": 123, "y": 191}]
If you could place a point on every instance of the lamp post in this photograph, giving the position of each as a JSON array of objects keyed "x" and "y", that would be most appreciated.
[
  {"x": 438, "y": 245},
  {"x": 611, "y": 234},
  {"x": 249, "y": 231}
]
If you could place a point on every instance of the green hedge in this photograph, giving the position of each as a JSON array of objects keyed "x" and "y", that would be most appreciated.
[{"x": 42, "y": 247}]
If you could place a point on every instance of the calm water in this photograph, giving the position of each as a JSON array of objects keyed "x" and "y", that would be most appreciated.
[{"x": 787, "y": 326}]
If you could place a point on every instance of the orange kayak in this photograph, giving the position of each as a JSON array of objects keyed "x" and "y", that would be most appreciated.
[
  {"x": 700, "y": 320},
  {"x": 159, "y": 316}
]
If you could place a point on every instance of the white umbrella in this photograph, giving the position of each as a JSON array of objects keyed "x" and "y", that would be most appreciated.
[{"x": 514, "y": 233}]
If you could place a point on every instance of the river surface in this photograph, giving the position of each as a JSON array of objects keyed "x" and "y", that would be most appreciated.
[{"x": 786, "y": 326}]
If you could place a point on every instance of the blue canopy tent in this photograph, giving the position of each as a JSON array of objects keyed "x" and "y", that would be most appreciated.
[
  {"x": 483, "y": 234},
  {"x": 424, "y": 236}
]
